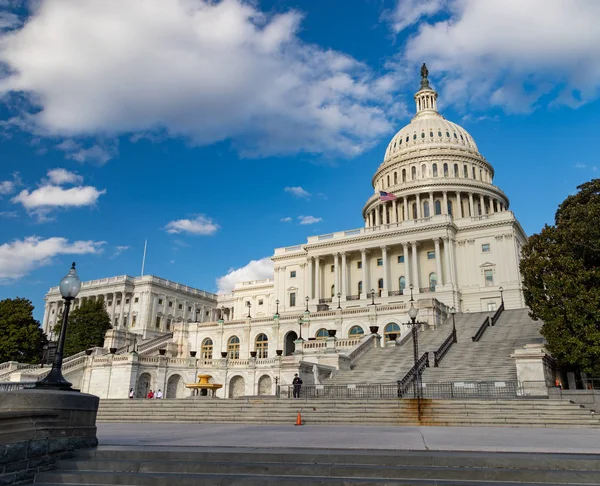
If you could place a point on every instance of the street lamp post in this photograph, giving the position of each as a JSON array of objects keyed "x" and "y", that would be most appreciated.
[
  {"x": 453, "y": 311},
  {"x": 307, "y": 299},
  {"x": 277, "y": 309},
  {"x": 70, "y": 286},
  {"x": 412, "y": 313},
  {"x": 339, "y": 296},
  {"x": 501, "y": 295},
  {"x": 249, "y": 305},
  {"x": 300, "y": 324},
  {"x": 372, "y": 296}
]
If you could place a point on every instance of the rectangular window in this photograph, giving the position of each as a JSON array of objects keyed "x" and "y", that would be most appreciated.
[
  {"x": 260, "y": 302},
  {"x": 189, "y": 308},
  {"x": 332, "y": 268},
  {"x": 489, "y": 278},
  {"x": 207, "y": 313},
  {"x": 485, "y": 248},
  {"x": 180, "y": 306},
  {"x": 168, "y": 324},
  {"x": 491, "y": 307},
  {"x": 127, "y": 301},
  {"x": 109, "y": 303},
  {"x": 293, "y": 299},
  {"x": 170, "y": 304},
  {"x": 157, "y": 322},
  {"x": 133, "y": 320},
  {"x": 159, "y": 301},
  {"x": 293, "y": 274},
  {"x": 431, "y": 255},
  {"x": 119, "y": 302},
  {"x": 136, "y": 300},
  {"x": 380, "y": 262},
  {"x": 401, "y": 259},
  {"x": 359, "y": 264}
]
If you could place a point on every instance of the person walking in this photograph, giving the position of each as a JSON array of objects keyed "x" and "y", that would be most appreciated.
[
  {"x": 297, "y": 382},
  {"x": 130, "y": 393}
]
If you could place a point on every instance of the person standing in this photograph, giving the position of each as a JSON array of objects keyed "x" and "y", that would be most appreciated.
[
  {"x": 159, "y": 394},
  {"x": 297, "y": 382},
  {"x": 130, "y": 393},
  {"x": 150, "y": 394}
]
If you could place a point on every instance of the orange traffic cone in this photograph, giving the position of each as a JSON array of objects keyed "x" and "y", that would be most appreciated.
[{"x": 299, "y": 419}]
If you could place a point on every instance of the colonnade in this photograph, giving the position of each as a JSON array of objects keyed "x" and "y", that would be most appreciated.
[
  {"x": 343, "y": 283},
  {"x": 424, "y": 205}
]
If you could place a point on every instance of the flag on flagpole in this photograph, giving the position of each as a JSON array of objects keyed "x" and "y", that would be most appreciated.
[{"x": 386, "y": 196}]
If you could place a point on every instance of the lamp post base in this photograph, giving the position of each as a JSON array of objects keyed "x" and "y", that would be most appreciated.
[{"x": 54, "y": 381}]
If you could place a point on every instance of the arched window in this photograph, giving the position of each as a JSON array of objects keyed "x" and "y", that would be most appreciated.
[
  {"x": 322, "y": 333},
  {"x": 423, "y": 171},
  {"x": 445, "y": 170},
  {"x": 233, "y": 348},
  {"x": 207, "y": 349},
  {"x": 426, "y": 209},
  {"x": 413, "y": 173},
  {"x": 465, "y": 171},
  {"x": 402, "y": 282},
  {"x": 450, "y": 208},
  {"x": 432, "y": 281},
  {"x": 391, "y": 329},
  {"x": 438, "y": 207},
  {"x": 380, "y": 286},
  {"x": 434, "y": 170},
  {"x": 360, "y": 287},
  {"x": 403, "y": 175},
  {"x": 395, "y": 177},
  {"x": 388, "y": 181},
  {"x": 333, "y": 290},
  {"x": 355, "y": 331},
  {"x": 262, "y": 346},
  {"x": 414, "y": 210},
  {"x": 455, "y": 170}
]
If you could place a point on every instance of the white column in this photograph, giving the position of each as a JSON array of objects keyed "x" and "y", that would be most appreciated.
[
  {"x": 318, "y": 278},
  {"x": 386, "y": 285},
  {"x": 122, "y": 311},
  {"x": 482, "y": 204},
  {"x": 394, "y": 211},
  {"x": 491, "y": 205},
  {"x": 363, "y": 256},
  {"x": 203, "y": 313},
  {"x": 459, "y": 203},
  {"x": 471, "y": 207},
  {"x": 377, "y": 222},
  {"x": 445, "y": 203},
  {"x": 431, "y": 204},
  {"x": 418, "y": 207},
  {"x": 344, "y": 276},
  {"x": 406, "y": 265},
  {"x": 452, "y": 260},
  {"x": 336, "y": 274},
  {"x": 310, "y": 278},
  {"x": 415, "y": 267},
  {"x": 405, "y": 202},
  {"x": 152, "y": 320},
  {"x": 438, "y": 260},
  {"x": 447, "y": 260}
]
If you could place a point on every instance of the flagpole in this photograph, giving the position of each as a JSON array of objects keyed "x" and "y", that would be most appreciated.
[{"x": 144, "y": 258}]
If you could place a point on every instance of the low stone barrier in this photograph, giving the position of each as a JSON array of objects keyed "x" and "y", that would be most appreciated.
[{"x": 39, "y": 427}]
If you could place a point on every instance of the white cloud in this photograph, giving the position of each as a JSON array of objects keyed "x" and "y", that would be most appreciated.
[
  {"x": 63, "y": 176},
  {"x": 409, "y": 12},
  {"x": 509, "y": 53},
  {"x": 20, "y": 257},
  {"x": 255, "y": 270},
  {"x": 579, "y": 165},
  {"x": 96, "y": 153},
  {"x": 6, "y": 187},
  {"x": 200, "y": 69},
  {"x": 298, "y": 192},
  {"x": 309, "y": 219},
  {"x": 8, "y": 214},
  {"x": 120, "y": 249},
  {"x": 200, "y": 225},
  {"x": 287, "y": 219}
]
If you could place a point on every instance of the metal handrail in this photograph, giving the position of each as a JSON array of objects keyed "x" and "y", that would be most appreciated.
[
  {"x": 496, "y": 315},
  {"x": 481, "y": 330},
  {"x": 411, "y": 376},
  {"x": 444, "y": 348}
]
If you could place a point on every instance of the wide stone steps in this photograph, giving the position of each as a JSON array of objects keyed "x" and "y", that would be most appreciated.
[
  {"x": 204, "y": 466},
  {"x": 524, "y": 412}
]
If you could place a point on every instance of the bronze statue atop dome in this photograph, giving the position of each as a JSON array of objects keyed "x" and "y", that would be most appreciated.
[{"x": 424, "y": 74}]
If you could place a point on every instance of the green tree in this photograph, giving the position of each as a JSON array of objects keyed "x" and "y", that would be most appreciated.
[
  {"x": 561, "y": 278},
  {"x": 22, "y": 339},
  {"x": 87, "y": 326}
]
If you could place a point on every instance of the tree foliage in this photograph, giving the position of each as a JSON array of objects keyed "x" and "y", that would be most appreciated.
[
  {"x": 561, "y": 277},
  {"x": 87, "y": 326},
  {"x": 21, "y": 338}
]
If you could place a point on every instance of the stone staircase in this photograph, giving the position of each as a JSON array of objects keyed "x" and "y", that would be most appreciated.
[
  {"x": 185, "y": 466},
  {"x": 389, "y": 364},
  {"x": 393, "y": 412},
  {"x": 488, "y": 359}
]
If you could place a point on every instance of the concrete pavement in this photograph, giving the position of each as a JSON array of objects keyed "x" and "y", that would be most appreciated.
[{"x": 491, "y": 439}]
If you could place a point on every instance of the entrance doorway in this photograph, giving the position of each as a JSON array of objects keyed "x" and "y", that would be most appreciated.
[{"x": 290, "y": 347}]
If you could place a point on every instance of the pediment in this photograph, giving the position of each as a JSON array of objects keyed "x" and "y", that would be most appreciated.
[{"x": 487, "y": 264}]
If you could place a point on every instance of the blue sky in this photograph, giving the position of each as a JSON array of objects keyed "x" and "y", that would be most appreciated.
[{"x": 183, "y": 122}]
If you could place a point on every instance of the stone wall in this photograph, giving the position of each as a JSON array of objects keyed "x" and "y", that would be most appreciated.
[{"x": 39, "y": 427}]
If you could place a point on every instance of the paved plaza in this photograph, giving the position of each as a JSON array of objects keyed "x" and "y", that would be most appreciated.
[{"x": 490, "y": 439}]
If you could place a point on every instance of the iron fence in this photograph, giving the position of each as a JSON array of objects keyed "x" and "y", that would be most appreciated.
[{"x": 476, "y": 390}]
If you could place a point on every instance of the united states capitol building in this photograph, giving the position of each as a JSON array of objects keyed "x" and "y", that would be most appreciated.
[{"x": 435, "y": 225}]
